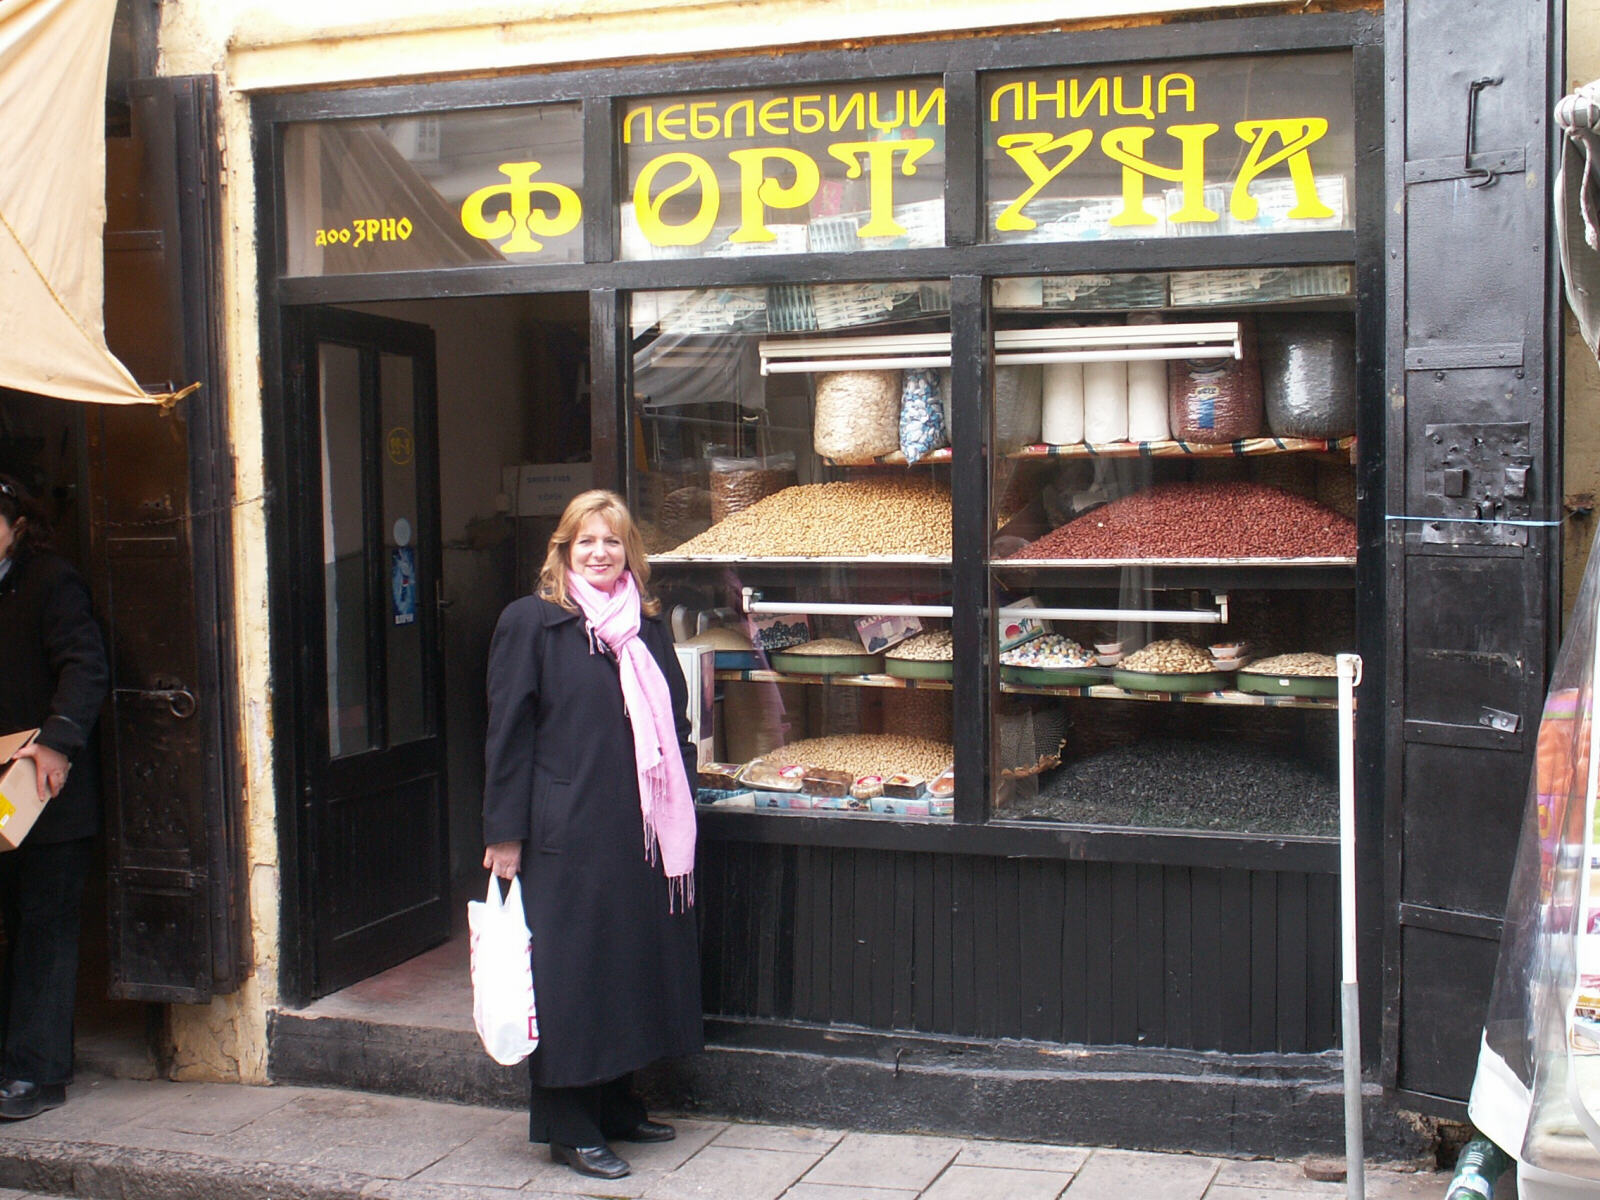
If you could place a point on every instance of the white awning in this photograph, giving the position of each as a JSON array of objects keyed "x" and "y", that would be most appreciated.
[{"x": 53, "y": 203}]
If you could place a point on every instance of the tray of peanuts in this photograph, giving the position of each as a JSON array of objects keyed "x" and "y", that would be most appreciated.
[
  {"x": 1169, "y": 665},
  {"x": 826, "y": 656},
  {"x": 929, "y": 655},
  {"x": 1291, "y": 675}
]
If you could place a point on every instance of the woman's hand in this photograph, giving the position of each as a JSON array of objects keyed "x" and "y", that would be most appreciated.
[
  {"x": 52, "y": 766},
  {"x": 503, "y": 858}
]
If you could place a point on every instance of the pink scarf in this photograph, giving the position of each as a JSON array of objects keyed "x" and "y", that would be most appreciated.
[{"x": 665, "y": 801}]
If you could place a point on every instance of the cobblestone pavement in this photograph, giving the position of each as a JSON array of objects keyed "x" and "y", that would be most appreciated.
[{"x": 154, "y": 1139}]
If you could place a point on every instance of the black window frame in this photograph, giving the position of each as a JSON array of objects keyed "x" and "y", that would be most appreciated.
[{"x": 970, "y": 264}]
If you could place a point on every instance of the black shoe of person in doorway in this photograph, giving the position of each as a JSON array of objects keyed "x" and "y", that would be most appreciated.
[
  {"x": 20, "y": 1099},
  {"x": 590, "y": 1160},
  {"x": 648, "y": 1131}
]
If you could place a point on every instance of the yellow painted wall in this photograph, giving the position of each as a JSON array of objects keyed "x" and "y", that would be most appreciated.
[
  {"x": 255, "y": 45},
  {"x": 1581, "y": 442}
]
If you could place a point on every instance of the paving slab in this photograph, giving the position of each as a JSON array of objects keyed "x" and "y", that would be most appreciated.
[
  {"x": 886, "y": 1160},
  {"x": 728, "y": 1173},
  {"x": 1229, "y": 1191},
  {"x": 779, "y": 1137},
  {"x": 1266, "y": 1173},
  {"x": 1122, "y": 1174},
  {"x": 992, "y": 1183},
  {"x": 1022, "y": 1156},
  {"x": 828, "y": 1191}
]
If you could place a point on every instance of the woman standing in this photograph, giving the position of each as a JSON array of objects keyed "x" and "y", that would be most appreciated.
[
  {"x": 587, "y": 795},
  {"x": 53, "y": 678}
]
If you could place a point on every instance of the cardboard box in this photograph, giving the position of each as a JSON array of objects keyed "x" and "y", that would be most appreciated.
[
  {"x": 698, "y": 664},
  {"x": 20, "y": 801}
]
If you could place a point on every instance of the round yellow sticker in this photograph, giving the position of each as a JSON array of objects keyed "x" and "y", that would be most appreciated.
[{"x": 401, "y": 446}]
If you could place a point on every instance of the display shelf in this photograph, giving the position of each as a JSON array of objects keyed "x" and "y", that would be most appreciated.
[
  {"x": 761, "y": 560},
  {"x": 1243, "y": 448},
  {"x": 1228, "y": 697},
  {"x": 761, "y": 675},
  {"x": 1120, "y": 563},
  {"x": 896, "y": 459}
]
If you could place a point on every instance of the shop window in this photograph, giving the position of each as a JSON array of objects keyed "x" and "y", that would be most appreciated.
[
  {"x": 793, "y": 488},
  {"x": 415, "y": 193},
  {"x": 839, "y": 168},
  {"x": 1247, "y": 145},
  {"x": 1173, "y": 557}
]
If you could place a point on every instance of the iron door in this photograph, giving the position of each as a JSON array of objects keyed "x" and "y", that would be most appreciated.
[{"x": 366, "y": 510}]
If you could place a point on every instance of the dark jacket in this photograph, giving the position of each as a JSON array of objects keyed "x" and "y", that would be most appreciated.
[
  {"x": 53, "y": 676},
  {"x": 616, "y": 976}
]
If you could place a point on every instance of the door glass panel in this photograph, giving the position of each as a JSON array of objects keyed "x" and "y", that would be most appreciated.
[
  {"x": 343, "y": 551},
  {"x": 408, "y": 587}
]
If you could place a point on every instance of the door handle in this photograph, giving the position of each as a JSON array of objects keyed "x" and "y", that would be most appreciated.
[
  {"x": 1476, "y": 176},
  {"x": 180, "y": 701}
]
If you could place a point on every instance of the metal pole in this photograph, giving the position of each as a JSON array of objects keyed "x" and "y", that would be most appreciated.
[{"x": 1349, "y": 667}]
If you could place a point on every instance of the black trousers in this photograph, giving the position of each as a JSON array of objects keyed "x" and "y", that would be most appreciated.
[
  {"x": 41, "y": 898},
  {"x": 584, "y": 1116}
]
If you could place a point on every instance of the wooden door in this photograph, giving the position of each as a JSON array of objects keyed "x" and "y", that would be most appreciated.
[{"x": 364, "y": 504}]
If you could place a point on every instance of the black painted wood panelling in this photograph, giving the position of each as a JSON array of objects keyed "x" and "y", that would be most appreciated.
[{"x": 1043, "y": 949}]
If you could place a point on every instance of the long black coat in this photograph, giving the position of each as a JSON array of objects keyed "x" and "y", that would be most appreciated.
[
  {"x": 616, "y": 976},
  {"x": 53, "y": 677}
]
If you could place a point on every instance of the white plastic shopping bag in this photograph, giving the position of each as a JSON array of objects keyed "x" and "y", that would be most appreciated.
[{"x": 503, "y": 1008}]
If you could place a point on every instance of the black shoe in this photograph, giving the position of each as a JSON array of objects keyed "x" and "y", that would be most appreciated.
[
  {"x": 590, "y": 1160},
  {"x": 20, "y": 1099},
  {"x": 648, "y": 1131}
]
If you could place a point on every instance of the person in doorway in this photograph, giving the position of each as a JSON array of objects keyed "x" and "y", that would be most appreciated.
[
  {"x": 53, "y": 677},
  {"x": 587, "y": 795}
]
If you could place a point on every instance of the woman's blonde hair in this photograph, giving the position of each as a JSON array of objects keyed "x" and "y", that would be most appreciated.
[{"x": 608, "y": 506}]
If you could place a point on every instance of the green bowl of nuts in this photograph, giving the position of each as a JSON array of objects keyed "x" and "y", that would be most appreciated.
[
  {"x": 1291, "y": 675},
  {"x": 1055, "y": 676},
  {"x": 910, "y": 668},
  {"x": 1170, "y": 681}
]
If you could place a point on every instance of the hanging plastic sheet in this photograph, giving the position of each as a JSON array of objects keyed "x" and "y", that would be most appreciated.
[
  {"x": 1577, "y": 206},
  {"x": 1537, "y": 1090}
]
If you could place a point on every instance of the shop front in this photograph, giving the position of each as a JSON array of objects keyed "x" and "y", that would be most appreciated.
[{"x": 1007, "y": 421}]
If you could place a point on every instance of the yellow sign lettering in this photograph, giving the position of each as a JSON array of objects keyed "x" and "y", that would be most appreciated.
[
  {"x": 879, "y": 159},
  {"x": 758, "y": 191},
  {"x": 647, "y": 206},
  {"x": 1297, "y": 134},
  {"x": 1126, "y": 146},
  {"x": 521, "y": 221},
  {"x": 1027, "y": 150}
]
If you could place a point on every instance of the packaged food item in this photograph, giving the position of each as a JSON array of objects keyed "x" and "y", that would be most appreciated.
[
  {"x": 1105, "y": 402},
  {"x": 1308, "y": 367},
  {"x": 789, "y": 800},
  {"x": 1061, "y": 422},
  {"x": 778, "y": 632},
  {"x": 943, "y": 786},
  {"x": 1216, "y": 400},
  {"x": 1148, "y": 420},
  {"x": 1018, "y": 416},
  {"x": 880, "y": 633},
  {"x": 719, "y": 776},
  {"x": 905, "y": 787},
  {"x": 819, "y": 781},
  {"x": 773, "y": 777},
  {"x": 737, "y": 483},
  {"x": 867, "y": 787},
  {"x": 857, "y": 415},
  {"x": 922, "y": 414}
]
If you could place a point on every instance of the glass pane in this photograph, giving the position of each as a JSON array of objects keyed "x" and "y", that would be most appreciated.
[
  {"x": 409, "y": 589},
  {"x": 437, "y": 190},
  {"x": 1174, "y": 547},
  {"x": 851, "y": 167},
  {"x": 344, "y": 550},
  {"x": 1208, "y": 146},
  {"x": 758, "y": 469}
]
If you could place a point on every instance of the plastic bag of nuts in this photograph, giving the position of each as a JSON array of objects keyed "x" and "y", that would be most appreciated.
[
  {"x": 858, "y": 415},
  {"x": 737, "y": 483}
]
